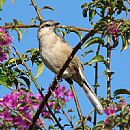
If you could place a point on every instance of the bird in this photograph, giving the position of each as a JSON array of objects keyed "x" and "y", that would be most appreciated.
[{"x": 54, "y": 51}]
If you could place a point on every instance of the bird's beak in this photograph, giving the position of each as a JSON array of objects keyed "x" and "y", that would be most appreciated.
[{"x": 56, "y": 24}]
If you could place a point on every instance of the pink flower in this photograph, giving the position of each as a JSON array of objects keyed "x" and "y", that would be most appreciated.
[
  {"x": 5, "y": 38},
  {"x": 3, "y": 55},
  {"x": 113, "y": 28},
  {"x": 39, "y": 97},
  {"x": 110, "y": 110},
  {"x": 25, "y": 103},
  {"x": 69, "y": 94},
  {"x": 123, "y": 103},
  {"x": 5, "y": 114},
  {"x": 106, "y": 121},
  {"x": 51, "y": 104},
  {"x": 59, "y": 92}
]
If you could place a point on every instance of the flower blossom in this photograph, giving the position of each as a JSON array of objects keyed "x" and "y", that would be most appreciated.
[
  {"x": 5, "y": 38},
  {"x": 113, "y": 30},
  {"x": 62, "y": 93},
  {"x": 25, "y": 103},
  {"x": 3, "y": 55},
  {"x": 111, "y": 110}
]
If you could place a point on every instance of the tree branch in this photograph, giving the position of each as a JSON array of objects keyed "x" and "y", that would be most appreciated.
[
  {"x": 88, "y": 115},
  {"x": 96, "y": 85},
  {"x": 37, "y": 10},
  {"x": 77, "y": 106},
  {"x": 19, "y": 26},
  {"x": 36, "y": 26}
]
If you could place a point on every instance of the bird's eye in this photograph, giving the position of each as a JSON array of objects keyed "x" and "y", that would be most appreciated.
[{"x": 47, "y": 25}]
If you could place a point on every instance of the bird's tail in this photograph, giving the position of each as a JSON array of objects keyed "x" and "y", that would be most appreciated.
[{"x": 92, "y": 97}]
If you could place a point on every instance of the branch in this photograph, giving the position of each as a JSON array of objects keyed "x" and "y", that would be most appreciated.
[
  {"x": 77, "y": 106},
  {"x": 88, "y": 115},
  {"x": 36, "y": 26},
  {"x": 68, "y": 118},
  {"x": 58, "y": 77},
  {"x": 19, "y": 26},
  {"x": 108, "y": 66},
  {"x": 77, "y": 28},
  {"x": 96, "y": 85},
  {"x": 37, "y": 10}
]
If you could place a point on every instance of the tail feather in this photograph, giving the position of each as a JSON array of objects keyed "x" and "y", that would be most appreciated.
[{"x": 92, "y": 97}]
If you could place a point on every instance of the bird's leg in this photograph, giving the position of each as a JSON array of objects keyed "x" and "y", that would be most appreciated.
[{"x": 69, "y": 81}]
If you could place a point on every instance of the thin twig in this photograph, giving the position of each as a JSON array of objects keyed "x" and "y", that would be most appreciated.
[
  {"x": 108, "y": 69},
  {"x": 19, "y": 114},
  {"x": 68, "y": 118},
  {"x": 19, "y": 26},
  {"x": 37, "y": 25},
  {"x": 37, "y": 10},
  {"x": 96, "y": 85},
  {"x": 77, "y": 106},
  {"x": 73, "y": 27},
  {"x": 86, "y": 118},
  {"x": 43, "y": 125}
]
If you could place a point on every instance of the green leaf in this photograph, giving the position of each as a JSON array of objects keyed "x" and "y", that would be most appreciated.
[
  {"x": 97, "y": 58},
  {"x": 40, "y": 69},
  {"x": 48, "y": 7},
  {"x": 93, "y": 41},
  {"x": 26, "y": 80},
  {"x": 51, "y": 127},
  {"x": 121, "y": 91},
  {"x": 108, "y": 74},
  {"x": 3, "y": 81},
  {"x": 87, "y": 52},
  {"x": 15, "y": 21},
  {"x": 19, "y": 33},
  {"x": 70, "y": 110},
  {"x": 11, "y": 60},
  {"x": 1, "y": 3},
  {"x": 98, "y": 126},
  {"x": 125, "y": 43},
  {"x": 84, "y": 12},
  {"x": 33, "y": 21},
  {"x": 84, "y": 6},
  {"x": 115, "y": 44},
  {"x": 71, "y": 29},
  {"x": 91, "y": 14},
  {"x": 62, "y": 33}
]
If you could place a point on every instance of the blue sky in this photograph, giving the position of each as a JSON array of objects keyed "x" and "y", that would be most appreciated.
[{"x": 67, "y": 13}]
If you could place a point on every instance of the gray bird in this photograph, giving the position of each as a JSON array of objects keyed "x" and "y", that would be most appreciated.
[{"x": 54, "y": 52}]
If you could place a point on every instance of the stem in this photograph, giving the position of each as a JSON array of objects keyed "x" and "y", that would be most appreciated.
[
  {"x": 96, "y": 85},
  {"x": 72, "y": 126},
  {"x": 37, "y": 11},
  {"x": 19, "y": 26},
  {"x": 88, "y": 115},
  {"x": 37, "y": 25},
  {"x": 108, "y": 69},
  {"x": 77, "y": 106}
]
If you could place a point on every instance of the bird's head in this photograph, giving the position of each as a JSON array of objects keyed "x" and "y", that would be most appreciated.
[{"x": 48, "y": 26}]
